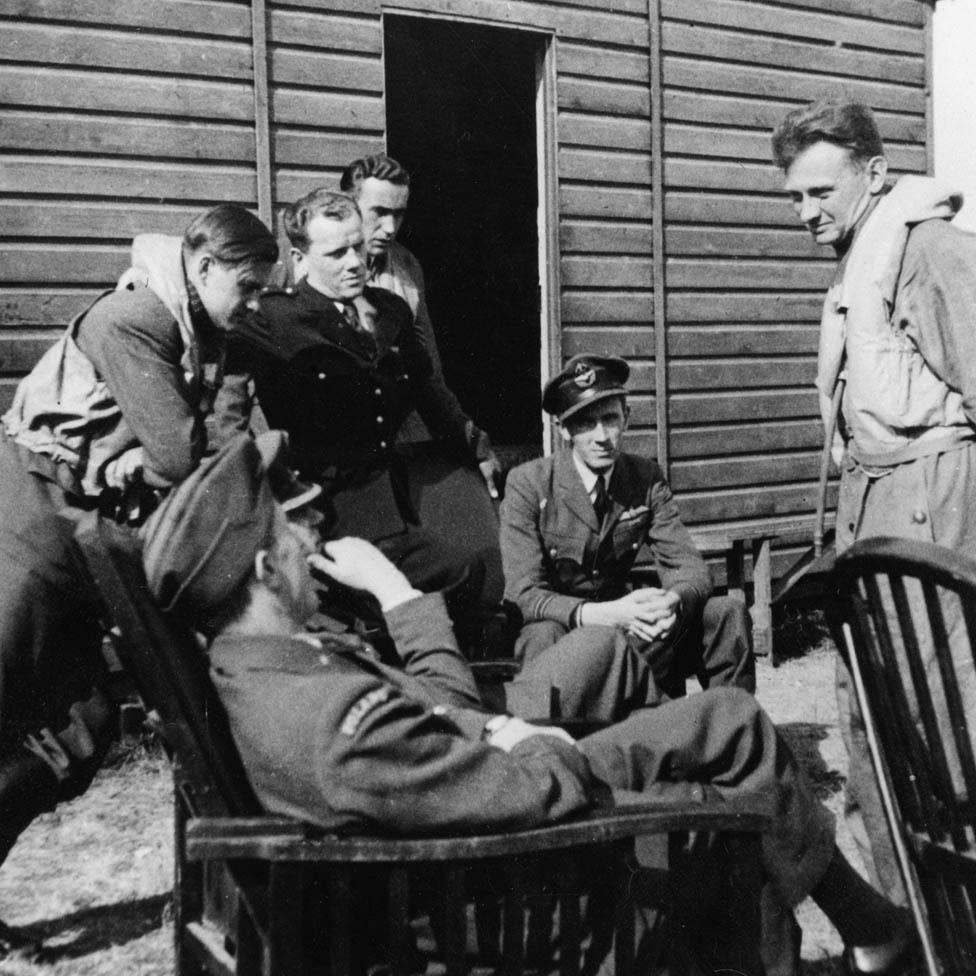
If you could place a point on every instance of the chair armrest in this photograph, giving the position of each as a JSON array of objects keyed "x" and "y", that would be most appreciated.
[{"x": 276, "y": 839}]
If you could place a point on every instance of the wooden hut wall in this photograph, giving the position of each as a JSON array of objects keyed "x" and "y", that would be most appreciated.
[
  {"x": 117, "y": 117},
  {"x": 121, "y": 116}
]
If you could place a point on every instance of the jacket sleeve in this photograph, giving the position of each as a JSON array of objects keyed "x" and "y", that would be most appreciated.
[
  {"x": 679, "y": 563},
  {"x": 137, "y": 352},
  {"x": 527, "y": 582},
  {"x": 408, "y": 770},
  {"x": 935, "y": 303},
  {"x": 236, "y": 400}
]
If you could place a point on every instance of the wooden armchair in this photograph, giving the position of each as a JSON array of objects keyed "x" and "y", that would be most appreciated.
[{"x": 256, "y": 893}]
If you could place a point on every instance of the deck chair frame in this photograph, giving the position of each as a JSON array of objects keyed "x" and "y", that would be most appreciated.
[{"x": 244, "y": 879}]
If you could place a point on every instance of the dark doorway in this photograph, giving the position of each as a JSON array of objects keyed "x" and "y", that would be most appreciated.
[{"x": 460, "y": 102}]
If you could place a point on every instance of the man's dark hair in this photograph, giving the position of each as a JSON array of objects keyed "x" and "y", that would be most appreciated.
[
  {"x": 318, "y": 203},
  {"x": 847, "y": 124},
  {"x": 379, "y": 167},
  {"x": 232, "y": 235}
]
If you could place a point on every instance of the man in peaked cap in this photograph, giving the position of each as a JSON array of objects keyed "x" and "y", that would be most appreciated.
[
  {"x": 331, "y": 735},
  {"x": 571, "y": 527}
]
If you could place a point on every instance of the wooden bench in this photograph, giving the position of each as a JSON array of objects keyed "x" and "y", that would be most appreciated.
[{"x": 270, "y": 895}]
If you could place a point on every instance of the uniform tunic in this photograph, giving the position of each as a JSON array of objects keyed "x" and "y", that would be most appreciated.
[
  {"x": 556, "y": 556},
  {"x": 334, "y": 737}
]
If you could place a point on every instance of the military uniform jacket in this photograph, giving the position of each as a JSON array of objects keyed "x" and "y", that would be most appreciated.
[
  {"x": 556, "y": 556},
  {"x": 342, "y": 395},
  {"x": 330, "y": 735}
]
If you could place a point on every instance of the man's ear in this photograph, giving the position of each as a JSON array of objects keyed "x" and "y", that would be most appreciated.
[
  {"x": 264, "y": 568},
  {"x": 877, "y": 172},
  {"x": 202, "y": 265},
  {"x": 297, "y": 258}
]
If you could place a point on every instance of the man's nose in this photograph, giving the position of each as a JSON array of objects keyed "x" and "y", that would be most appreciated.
[
  {"x": 808, "y": 209},
  {"x": 600, "y": 431},
  {"x": 388, "y": 224},
  {"x": 353, "y": 259}
]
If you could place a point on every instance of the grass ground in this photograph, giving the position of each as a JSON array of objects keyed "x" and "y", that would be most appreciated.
[{"x": 92, "y": 878}]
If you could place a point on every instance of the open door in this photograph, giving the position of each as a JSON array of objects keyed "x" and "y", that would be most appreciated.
[{"x": 462, "y": 116}]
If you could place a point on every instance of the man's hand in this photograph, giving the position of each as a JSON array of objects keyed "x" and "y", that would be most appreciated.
[
  {"x": 649, "y": 613},
  {"x": 515, "y": 731},
  {"x": 491, "y": 471},
  {"x": 359, "y": 564},
  {"x": 124, "y": 470}
]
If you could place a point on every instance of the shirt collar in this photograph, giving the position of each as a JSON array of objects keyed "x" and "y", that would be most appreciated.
[{"x": 589, "y": 477}]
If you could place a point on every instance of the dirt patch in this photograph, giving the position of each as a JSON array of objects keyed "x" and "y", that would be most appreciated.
[{"x": 92, "y": 879}]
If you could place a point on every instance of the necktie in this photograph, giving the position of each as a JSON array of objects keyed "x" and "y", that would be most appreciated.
[
  {"x": 351, "y": 316},
  {"x": 601, "y": 501}
]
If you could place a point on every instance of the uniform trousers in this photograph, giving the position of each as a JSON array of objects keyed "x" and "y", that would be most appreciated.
[
  {"x": 930, "y": 499},
  {"x": 716, "y": 648},
  {"x": 50, "y": 648}
]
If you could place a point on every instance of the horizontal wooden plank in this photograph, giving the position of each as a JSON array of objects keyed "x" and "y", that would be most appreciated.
[
  {"x": 712, "y": 141},
  {"x": 290, "y": 184},
  {"x": 702, "y": 207},
  {"x": 740, "y": 373},
  {"x": 140, "y": 95},
  {"x": 698, "y": 442},
  {"x": 741, "y": 241},
  {"x": 94, "y": 264},
  {"x": 375, "y": 7},
  {"x": 748, "y": 273},
  {"x": 74, "y": 46},
  {"x": 604, "y": 133},
  {"x": 748, "y": 503},
  {"x": 304, "y": 147},
  {"x": 335, "y": 110},
  {"x": 600, "y": 272},
  {"x": 630, "y": 343},
  {"x": 710, "y": 76},
  {"x": 599, "y": 201},
  {"x": 324, "y": 30},
  {"x": 710, "y": 174},
  {"x": 358, "y": 73},
  {"x": 116, "y": 178},
  {"x": 760, "y": 471},
  {"x": 215, "y": 19},
  {"x": 764, "y": 113},
  {"x": 8, "y": 386},
  {"x": 595, "y": 61},
  {"x": 91, "y": 219},
  {"x": 610, "y": 97},
  {"x": 603, "y": 236},
  {"x": 600, "y": 22},
  {"x": 20, "y": 349},
  {"x": 771, "y": 19},
  {"x": 56, "y": 132},
  {"x": 897, "y": 11},
  {"x": 742, "y": 340},
  {"x": 629, "y": 306},
  {"x": 798, "y": 55},
  {"x": 51, "y": 306},
  {"x": 699, "y": 307},
  {"x": 603, "y": 166},
  {"x": 756, "y": 405}
]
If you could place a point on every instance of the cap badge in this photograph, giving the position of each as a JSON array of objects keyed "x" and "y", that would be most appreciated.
[{"x": 584, "y": 375}]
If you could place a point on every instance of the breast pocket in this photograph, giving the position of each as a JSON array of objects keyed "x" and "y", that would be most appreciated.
[
  {"x": 564, "y": 556},
  {"x": 629, "y": 536}
]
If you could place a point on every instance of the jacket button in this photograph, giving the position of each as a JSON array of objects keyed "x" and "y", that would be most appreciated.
[
  {"x": 321, "y": 376},
  {"x": 379, "y": 420},
  {"x": 378, "y": 391},
  {"x": 552, "y": 552},
  {"x": 918, "y": 517},
  {"x": 383, "y": 444},
  {"x": 635, "y": 545}
]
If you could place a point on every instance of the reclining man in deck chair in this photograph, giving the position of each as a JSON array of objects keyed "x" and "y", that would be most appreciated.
[{"x": 333, "y": 736}]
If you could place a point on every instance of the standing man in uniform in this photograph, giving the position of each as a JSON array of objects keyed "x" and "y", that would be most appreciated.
[
  {"x": 897, "y": 327},
  {"x": 336, "y": 364},
  {"x": 381, "y": 187},
  {"x": 573, "y": 524}
]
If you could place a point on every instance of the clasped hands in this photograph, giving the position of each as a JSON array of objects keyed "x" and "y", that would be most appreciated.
[{"x": 649, "y": 613}]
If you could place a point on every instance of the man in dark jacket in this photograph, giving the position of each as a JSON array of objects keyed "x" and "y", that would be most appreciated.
[
  {"x": 573, "y": 525},
  {"x": 338, "y": 365},
  {"x": 331, "y": 735}
]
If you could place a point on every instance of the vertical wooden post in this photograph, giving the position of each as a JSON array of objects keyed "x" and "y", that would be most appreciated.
[
  {"x": 262, "y": 121},
  {"x": 929, "y": 89},
  {"x": 658, "y": 257}
]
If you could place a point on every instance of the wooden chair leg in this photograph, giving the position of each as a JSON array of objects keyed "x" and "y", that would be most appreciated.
[
  {"x": 455, "y": 920},
  {"x": 340, "y": 919},
  {"x": 762, "y": 594},
  {"x": 187, "y": 893},
  {"x": 623, "y": 941},
  {"x": 513, "y": 929},
  {"x": 398, "y": 921}
]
